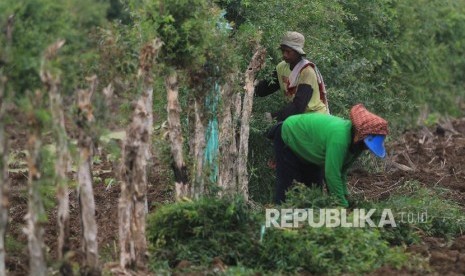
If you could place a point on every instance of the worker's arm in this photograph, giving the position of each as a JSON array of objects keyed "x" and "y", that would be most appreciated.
[
  {"x": 265, "y": 87},
  {"x": 335, "y": 154},
  {"x": 298, "y": 104}
]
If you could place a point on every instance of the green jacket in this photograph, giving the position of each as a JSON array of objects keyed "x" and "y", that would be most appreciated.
[{"x": 323, "y": 140}]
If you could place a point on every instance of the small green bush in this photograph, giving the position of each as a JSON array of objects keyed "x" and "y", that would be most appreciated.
[
  {"x": 301, "y": 196},
  {"x": 328, "y": 250},
  {"x": 201, "y": 230},
  {"x": 227, "y": 228}
]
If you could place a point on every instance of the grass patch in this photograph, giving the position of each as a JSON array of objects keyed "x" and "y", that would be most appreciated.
[
  {"x": 419, "y": 211},
  {"x": 12, "y": 245}
]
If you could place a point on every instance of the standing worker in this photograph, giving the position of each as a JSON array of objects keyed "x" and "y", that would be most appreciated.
[
  {"x": 298, "y": 78},
  {"x": 306, "y": 143}
]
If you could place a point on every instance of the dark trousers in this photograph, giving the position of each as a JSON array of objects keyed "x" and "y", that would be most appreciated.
[{"x": 290, "y": 167}]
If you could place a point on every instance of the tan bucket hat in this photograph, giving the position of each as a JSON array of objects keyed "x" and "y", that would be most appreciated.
[{"x": 295, "y": 41}]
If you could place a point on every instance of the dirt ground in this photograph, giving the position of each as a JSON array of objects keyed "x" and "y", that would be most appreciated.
[
  {"x": 432, "y": 156},
  {"x": 435, "y": 158},
  {"x": 106, "y": 194}
]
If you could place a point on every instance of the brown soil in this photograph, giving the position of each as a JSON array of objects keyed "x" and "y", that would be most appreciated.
[
  {"x": 106, "y": 194},
  {"x": 434, "y": 157},
  {"x": 106, "y": 200}
]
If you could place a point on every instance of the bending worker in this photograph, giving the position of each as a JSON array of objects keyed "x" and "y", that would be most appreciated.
[
  {"x": 298, "y": 78},
  {"x": 305, "y": 144}
]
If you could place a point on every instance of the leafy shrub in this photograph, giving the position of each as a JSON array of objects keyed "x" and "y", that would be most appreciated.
[
  {"x": 202, "y": 230},
  {"x": 301, "y": 196},
  {"x": 328, "y": 250}
]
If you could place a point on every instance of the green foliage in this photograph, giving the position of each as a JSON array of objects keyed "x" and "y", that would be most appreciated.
[
  {"x": 243, "y": 271},
  {"x": 391, "y": 55},
  {"x": 46, "y": 183},
  {"x": 262, "y": 178},
  {"x": 39, "y": 23},
  {"x": 201, "y": 230},
  {"x": 328, "y": 250},
  {"x": 444, "y": 217},
  {"x": 301, "y": 196},
  {"x": 190, "y": 30},
  {"x": 117, "y": 11},
  {"x": 12, "y": 245},
  {"x": 419, "y": 211},
  {"x": 185, "y": 31}
]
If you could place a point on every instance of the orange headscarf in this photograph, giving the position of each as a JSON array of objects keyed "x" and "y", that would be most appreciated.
[{"x": 366, "y": 123}]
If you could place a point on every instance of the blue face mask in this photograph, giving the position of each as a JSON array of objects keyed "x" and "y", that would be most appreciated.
[{"x": 375, "y": 143}]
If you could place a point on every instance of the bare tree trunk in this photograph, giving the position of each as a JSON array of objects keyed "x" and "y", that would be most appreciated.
[
  {"x": 62, "y": 164},
  {"x": 133, "y": 191},
  {"x": 4, "y": 182},
  {"x": 86, "y": 195},
  {"x": 136, "y": 153},
  {"x": 255, "y": 64},
  {"x": 34, "y": 229},
  {"x": 227, "y": 147},
  {"x": 175, "y": 134},
  {"x": 236, "y": 128},
  {"x": 199, "y": 149}
]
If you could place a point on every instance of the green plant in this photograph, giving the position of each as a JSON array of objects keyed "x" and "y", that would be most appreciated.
[
  {"x": 39, "y": 23},
  {"x": 328, "y": 250},
  {"x": 301, "y": 196},
  {"x": 418, "y": 211},
  {"x": 228, "y": 229},
  {"x": 201, "y": 230}
]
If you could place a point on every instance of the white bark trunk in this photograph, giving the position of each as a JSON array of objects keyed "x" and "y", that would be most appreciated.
[
  {"x": 34, "y": 229},
  {"x": 136, "y": 153},
  {"x": 182, "y": 185},
  {"x": 199, "y": 149},
  {"x": 236, "y": 127},
  {"x": 227, "y": 147},
  {"x": 62, "y": 164},
  {"x": 133, "y": 190},
  {"x": 4, "y": 182},
  {"x": 255, "y": 64},
  {"x": 86, "y": 194}
]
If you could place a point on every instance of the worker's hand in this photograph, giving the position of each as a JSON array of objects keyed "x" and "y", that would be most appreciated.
[{"x": 268, "y": 117}]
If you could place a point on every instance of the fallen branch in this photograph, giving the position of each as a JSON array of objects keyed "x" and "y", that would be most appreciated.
[{"x": 401, "y": 166}]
